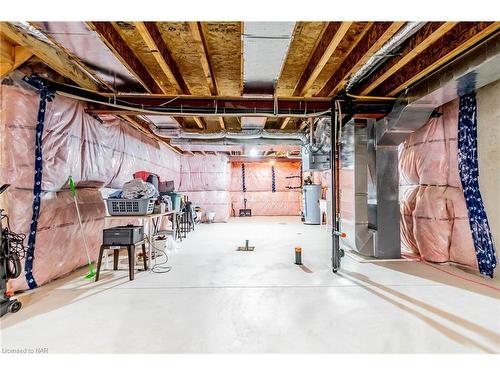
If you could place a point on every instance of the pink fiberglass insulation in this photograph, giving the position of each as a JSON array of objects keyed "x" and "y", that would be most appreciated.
[
  {"x": 59, "y": 244},
  {"x": 284, "y": 201},
  {"x": 434, "y": 219},
  {"x": 205, "y": 181},
  {"x": 96, "y": 154},
  {"x": 258, "y": 176},
  {"x": 74, "y": 143},
  {"x": 212, "y": 201},
  {"x": 266, "y": 203},
  {"x": 204, "y": 173}
]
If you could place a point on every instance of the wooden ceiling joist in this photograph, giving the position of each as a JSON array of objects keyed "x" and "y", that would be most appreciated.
[
  {"x": 284, "y": 123},
  {"x": 50, "y": 54},
  {"x": 12, "y": 56},
  {"x": 330, "y": 39},
  {"x": 422, "y": 39},
  {"x": 200, "y": 122},
  {"x": 460, "y": 38},
  {"x": 201, "y": 45},
  {"x": 370, "y": 43},
  {"x": 112, "y": 38},
  {"x": 222, "y": 123},
  {"x": 152, "y": 37}
]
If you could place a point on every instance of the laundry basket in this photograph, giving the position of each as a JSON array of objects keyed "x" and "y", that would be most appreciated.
[{"x": 126, "y": 207}]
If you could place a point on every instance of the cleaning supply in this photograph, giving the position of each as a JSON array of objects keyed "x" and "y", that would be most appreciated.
[{"x": 72, "y": 187}]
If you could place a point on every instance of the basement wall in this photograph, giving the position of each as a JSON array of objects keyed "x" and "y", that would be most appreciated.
[
  {"x": 488, "y": 143},
  {"x": 97, "y": 155},
  {"x": 434, "y": 216},
  {"x": 205, "y": 181},
  {"x": 285, "y": 200}
]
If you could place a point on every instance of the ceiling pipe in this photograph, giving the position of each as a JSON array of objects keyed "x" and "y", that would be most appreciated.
[
  {"x": 385, "y": 51},
  {"x": 234, "y": 142},
  {"x": 223, "y": 135}
]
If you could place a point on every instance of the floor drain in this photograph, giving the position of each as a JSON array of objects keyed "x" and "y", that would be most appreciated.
[{"x": 246, "y": 247}]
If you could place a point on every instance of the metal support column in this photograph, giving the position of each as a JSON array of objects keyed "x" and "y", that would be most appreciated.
[{"x": 336, "y": 254}]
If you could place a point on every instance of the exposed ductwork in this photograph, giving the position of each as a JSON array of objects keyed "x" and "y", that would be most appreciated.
[
  {"x": 371, "y": 206},
  {"x": 321, "y": 141},
  {"x": 473, "y": 70},
  {"x": 354, "y": 160},
  {"x": 262, "y": 135},
  {"x": 384, "y": 52}
]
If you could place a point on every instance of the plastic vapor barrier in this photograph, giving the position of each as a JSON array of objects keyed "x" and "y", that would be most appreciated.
[
  {"x": 96, "y": 154},
  {"x": 434, "y": 218},
  {"x": 284, "y": 201},
  {"x": 205, "y": 181}
]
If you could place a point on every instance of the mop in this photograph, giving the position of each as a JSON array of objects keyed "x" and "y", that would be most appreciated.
[{"x": 91, "y": 273}]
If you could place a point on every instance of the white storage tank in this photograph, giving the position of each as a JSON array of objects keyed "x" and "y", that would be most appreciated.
[{"x": 311, "y": 196}]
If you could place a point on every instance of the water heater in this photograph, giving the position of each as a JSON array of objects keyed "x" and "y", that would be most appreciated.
[{"x": 311, "y": 195}]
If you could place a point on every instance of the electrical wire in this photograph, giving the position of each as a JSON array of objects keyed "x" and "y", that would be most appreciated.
[
  {"x": 13, "y": 248},
  {"x": 158, "y": 267}
]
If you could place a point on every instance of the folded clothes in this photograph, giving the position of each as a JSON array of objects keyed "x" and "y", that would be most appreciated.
[{"x": 137, "y": 188}]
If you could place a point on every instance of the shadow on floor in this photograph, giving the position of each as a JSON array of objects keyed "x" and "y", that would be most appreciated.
[
  {"x": 69, "y": 289},
  {"x": 385, "y": 293},
  {"x": 431, "y": 272}
]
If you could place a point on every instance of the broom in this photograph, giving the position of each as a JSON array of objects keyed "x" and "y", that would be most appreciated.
[{"x": 72, "y": 187}]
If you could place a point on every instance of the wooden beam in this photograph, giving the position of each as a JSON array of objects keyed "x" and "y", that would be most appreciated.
[
  {"x": 370, "y": 43},
  {"x": 222, "y": 123},
  {"x": 200, "y": 122},
  {"x": 460, "y": 38},
  {"x": 422, "y": 39},
  {"x": 201, "y": 45},
  {"x": 153, "y": 39},
  {"x": 330, "y": 39},
  {"x": 112, "y": 38},
  {"x": 12, "y": 57},
  {"x": 56, "y": 58},
  {"x": 303, "y": 125},
  {"x": 284, "y": 122}
]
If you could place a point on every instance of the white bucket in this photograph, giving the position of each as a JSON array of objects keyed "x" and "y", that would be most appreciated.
[{"x": 210, "y": 216}]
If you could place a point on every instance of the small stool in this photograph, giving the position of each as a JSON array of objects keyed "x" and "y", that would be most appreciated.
[{"x": 131, "y": 257}]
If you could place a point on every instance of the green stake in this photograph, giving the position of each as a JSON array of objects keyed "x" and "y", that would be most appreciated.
[{"x": 72, "y": 187}]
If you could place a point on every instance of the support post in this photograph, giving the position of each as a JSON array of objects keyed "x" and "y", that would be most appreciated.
[{"x": 334, "y": 191}]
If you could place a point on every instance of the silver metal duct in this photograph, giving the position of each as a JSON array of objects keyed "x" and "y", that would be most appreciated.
[
  {"x": 372, "y": 227},
  {"x": 233, "y": 142},
  {"x": 471, "y": 71},
  {"x": 399, "y": 38},
  {"x": 355, "y": 158},
  {"x": 322, "y": 141},
  {"x": 264, "y": 50},
  {"x": 176, "y": 134}
]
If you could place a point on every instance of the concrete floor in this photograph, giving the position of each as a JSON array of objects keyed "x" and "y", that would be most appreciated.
[{"x": 217, "y": 299}]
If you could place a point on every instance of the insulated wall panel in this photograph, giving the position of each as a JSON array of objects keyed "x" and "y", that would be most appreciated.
[{"x": 96, "y": 154}]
